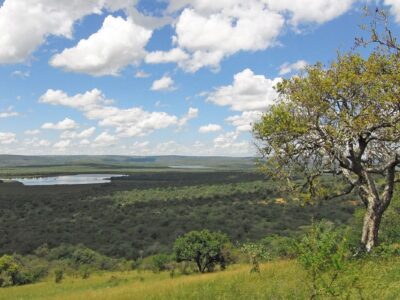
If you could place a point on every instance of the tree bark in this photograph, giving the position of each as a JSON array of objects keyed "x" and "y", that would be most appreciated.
[{"x": 372, "y": 220}]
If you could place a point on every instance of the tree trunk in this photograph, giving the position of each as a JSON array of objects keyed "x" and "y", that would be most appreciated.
[
  {"x": 372, "y": 220},
  {"x": 198, "y": 263}
]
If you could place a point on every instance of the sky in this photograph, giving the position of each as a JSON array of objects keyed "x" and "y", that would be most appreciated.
[{"x": 158, "y": 77}]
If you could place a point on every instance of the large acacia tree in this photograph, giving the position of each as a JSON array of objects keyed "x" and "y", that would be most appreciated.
[{"x": 342, "y": 120}]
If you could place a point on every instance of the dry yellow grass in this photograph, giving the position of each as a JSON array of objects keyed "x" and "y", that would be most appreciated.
[{"x": 278, "y": 280}]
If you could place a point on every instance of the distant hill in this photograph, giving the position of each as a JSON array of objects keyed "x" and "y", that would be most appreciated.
[{"x": 134, "y": 161}]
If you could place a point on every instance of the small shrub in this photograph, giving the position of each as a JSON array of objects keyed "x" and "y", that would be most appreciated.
[
  {"x": 255, "y": 253},
  {"x": 323, "y": 253},
  {"x": 58, "y": 275},
  {"x": 9, "y": 270},
  {"x": 280, "y": 246},
  {"x": 160, "y": 262}
]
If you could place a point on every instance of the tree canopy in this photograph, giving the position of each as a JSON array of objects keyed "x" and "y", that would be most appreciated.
[
  {"x": 205, "y": 248},
  {"x": 341, "y": 120}
]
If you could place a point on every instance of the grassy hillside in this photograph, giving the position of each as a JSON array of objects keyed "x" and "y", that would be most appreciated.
[{"x": 277, "y": 280}]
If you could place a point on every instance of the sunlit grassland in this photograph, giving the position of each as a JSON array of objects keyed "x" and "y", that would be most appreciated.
[{"x": 278, "y": 280}]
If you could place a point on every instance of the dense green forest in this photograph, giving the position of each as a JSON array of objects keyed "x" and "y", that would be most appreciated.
[{"x": 143, "y": 214}]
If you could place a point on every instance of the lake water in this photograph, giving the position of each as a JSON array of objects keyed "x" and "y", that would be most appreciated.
[{"x": 68, "y": 179}]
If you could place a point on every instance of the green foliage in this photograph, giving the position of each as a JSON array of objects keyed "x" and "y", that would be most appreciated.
[
  {"x": 78, "y": 256},
  {"x": 90, "y": 215},
  {"x": 9, "y": 270},
  {"x": 344, "y": 120},
  {"x": 256, "y": 253},
  {"x": 160, "y": 262},
  {"x": 205, "y": 248},
  {"x": 189, "y": 192},
  {"x": 324, "y": 254},
  {"x": 280, "y": 246},
  {"x": 17, "y": 270},
  {"x": 58, "y": 275},
  {"x": 390, "y": 228},
  {"x": 85, "y": 273}
]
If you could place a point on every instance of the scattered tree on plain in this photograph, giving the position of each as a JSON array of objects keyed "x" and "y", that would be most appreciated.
[
  {"x": 342, "y": 120},
  {"x": 205, "y": 248}
]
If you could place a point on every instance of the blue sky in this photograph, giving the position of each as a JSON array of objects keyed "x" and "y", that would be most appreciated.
[{"x": 157, "y": 77}]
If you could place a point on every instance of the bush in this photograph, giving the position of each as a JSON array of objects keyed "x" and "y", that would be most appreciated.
[
  {"x": 9, "y": 270},
  {"x": 323, "y": 253},
  {"x": 205, "y": 248},
  {"x": 14, "y": 270},
  {"x": 255, "y": 253},
  {"x": 280, "y": 246},
  {"x": 160, "y": 262}
]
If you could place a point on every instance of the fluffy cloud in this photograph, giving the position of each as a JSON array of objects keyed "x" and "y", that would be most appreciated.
[
  {"x": 201, "y": 32},
  {"x": 225, "y": 140},
  {"x": 105, "y": 139},
  {"x": 192, "y": 114},
  {"x": 8, "y": 113},
  {"x": 288, "y": 68},
  {"x": 62, "y": 144},
  {"x": 141, "y": 74},
  {"x": 37, "y": 19},
  {"x": 7, "y": 138},
  {"x": 127, "y": 122},
  {"x": 165, "y": 83},
  {"x": 117, "y": 44},
  {"x": 247, "y": 92},
  {"x": 43, "y": 143},
  {"x": 228, "y": 143},
  {"x": 62, "y": 125},
  {"x": 84, "y": 101},
  {"x": 320, "y": 11},
  {"x": 78, "y": 135},
  {"x": 244, "y": 121},
  {"x": 203, "y": 24},
  {"x": 210, "y": 128},
  {"x": 395, "y": 8},
  {"x": 172, "y": 56}
]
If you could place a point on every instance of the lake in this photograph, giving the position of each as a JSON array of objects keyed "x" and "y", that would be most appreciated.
[{"x": 67, "y": 179}]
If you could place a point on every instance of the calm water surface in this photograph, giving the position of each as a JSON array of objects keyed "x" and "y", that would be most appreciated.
[{"x": 68, "y": 179}]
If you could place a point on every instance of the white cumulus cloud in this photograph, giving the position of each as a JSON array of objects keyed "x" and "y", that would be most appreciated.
[
  {"x": 141, "y": 74},
  {"x": 210, "y": 128},
  {"x": 319, "y": 11},
  {"x": 117, "y": 44},
  {"x": 165, "y": 83},
  {"x": 105, "y": 139},
  {"x": 62, "y": 144},
  {"x": 210, "y": 35},
  {"x": 8, "y": 113},
  {"x": 84, "y": 134},
  {"x": 26, "y": 24},
  {"x": 7, "y": 138},
  {"x": 127, "y": 122},
  {"x": 245, "y": 121},
  {"x": 394, "y": 8},
  {"x": 175, "y": 55},
  {"x": 247, "y": 92},
  {"x": 288, "y": 68},
  {"x": 62, "y": 125}
]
